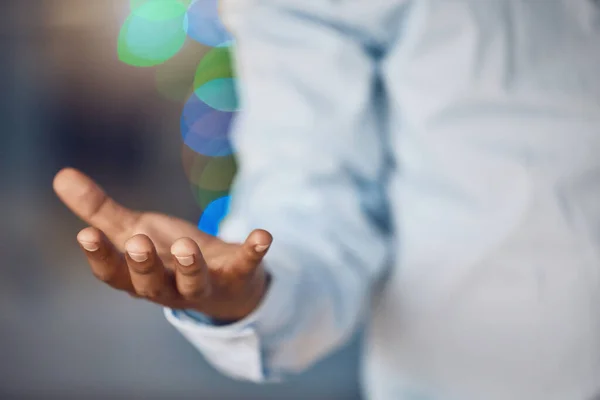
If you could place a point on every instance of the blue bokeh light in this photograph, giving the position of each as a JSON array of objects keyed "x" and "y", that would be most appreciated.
[
  {"x": 206, "y": 130},
  {"x": 214, "y": 213},
  {"x": 204, "y": 25}
]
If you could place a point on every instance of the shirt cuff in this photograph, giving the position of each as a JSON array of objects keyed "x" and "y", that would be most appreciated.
[{"x": 234, "y": 350}]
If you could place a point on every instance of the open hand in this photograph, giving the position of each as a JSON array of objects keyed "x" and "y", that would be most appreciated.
[{"x": 164, "y": 259}]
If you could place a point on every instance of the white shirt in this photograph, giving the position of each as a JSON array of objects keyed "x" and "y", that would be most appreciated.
[{"x": 449, "y": 149}]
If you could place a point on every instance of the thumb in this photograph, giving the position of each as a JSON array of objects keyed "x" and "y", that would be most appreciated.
[
  {"x": 88, "y": 201},
  {"x": 252, "y": 251}
]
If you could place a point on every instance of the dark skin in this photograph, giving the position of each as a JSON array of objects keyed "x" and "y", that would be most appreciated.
[{"x": 164, "y": 259}]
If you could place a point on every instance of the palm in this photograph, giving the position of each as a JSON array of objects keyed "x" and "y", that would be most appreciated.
[{"x": 163, "y": 230}]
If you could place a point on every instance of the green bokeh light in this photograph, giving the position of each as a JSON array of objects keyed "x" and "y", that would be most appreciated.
[
  {"x": 161, "y": 10},
  {"x": 153, "y": 33},
  {"x": 217, "y": 64},
  {"x": 135, "y": 4},
  {"x": 218, "y": 174},
  {"x": 204, "y": 197}
]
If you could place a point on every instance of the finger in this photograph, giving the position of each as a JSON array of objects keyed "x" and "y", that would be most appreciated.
[
  {"x": 87, "y": 200},
  {"x": 253, "y": 250},
  {"x": 149, "y": 277},
  {"x": 191, "y": 272},
  {"x": 106, "y": 262}
]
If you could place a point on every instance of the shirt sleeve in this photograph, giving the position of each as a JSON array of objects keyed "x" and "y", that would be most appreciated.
[{"x": 312, "y": 170}]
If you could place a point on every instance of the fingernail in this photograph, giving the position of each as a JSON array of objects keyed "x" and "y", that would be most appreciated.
[
  {"x": 260, "y": 248},
  {"x": 89, "y": 246},
  {"x": 186, "y": 261},
  {"x": 138, "y": 257}
]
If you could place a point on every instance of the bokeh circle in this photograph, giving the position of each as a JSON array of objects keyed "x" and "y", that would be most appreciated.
[
  {"x": 153, "y": 33},
  {"x": 220, "y": 94},
  {"x": 204, "y": 25},
  {"x": 218, "y": 174},
  {"x": 206, "y": 130},
  {"x": 216, "y": 64},
  {"x": 213, "y": 215}
]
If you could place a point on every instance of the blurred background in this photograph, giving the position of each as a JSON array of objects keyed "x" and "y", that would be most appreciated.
[{"x": 67, "y": 100}]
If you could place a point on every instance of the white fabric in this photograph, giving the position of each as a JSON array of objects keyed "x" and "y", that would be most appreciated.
[{"x": 475, "y": 182}]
